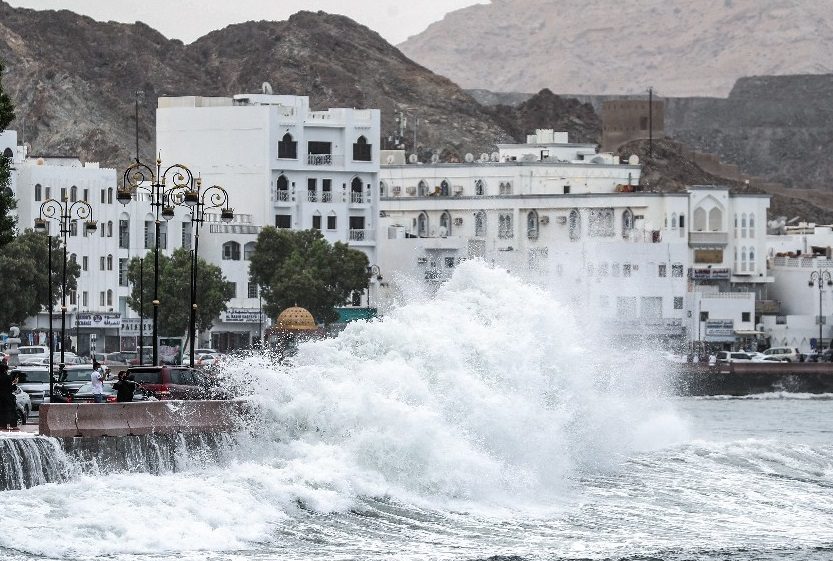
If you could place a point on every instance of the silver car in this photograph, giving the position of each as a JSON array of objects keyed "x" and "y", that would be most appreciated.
[{"x": 34, "y": 381}]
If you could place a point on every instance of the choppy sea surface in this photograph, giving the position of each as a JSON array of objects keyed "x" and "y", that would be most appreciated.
[{"x": 465, "y": 425}]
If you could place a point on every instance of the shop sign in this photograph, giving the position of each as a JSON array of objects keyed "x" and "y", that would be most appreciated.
[
  {"x": 130, "y": 326},
  {"x": 720, "y": 330},
  {"x": 99, "y": 320},
  {"x": 242, "y": 315},
  {"x": 710, "y": 274},
  {"x": 708, "y": 256}
]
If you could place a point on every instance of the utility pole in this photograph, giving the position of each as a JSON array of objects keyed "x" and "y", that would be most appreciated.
[{"x": 651, "y": 122}]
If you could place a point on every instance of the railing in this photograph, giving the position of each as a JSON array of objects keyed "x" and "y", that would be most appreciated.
[
  {"x": 802, "y": 262},
  {"x": 361, "y": 235},
  {"x": 282, "y": 195},
  {"x": 356, "y": 197},
  {"x": 708, "y": 238},
  {"x": 312, "y": 196},
  {"x": 326, "y": 197}
]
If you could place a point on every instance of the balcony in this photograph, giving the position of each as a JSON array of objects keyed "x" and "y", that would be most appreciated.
[
  {"x": 282, "y": 195},
  {"x": 357, "y": 197},
  {"x": 366, "y": 236},
  {"x": 312, "y": 197},
  {"x": 326, "y": 197},
  {"x": 707, "y": 239}
]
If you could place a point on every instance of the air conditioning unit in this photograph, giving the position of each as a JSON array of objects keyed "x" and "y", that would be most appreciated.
[
  {"x": 458, "y": 189},
  {"x": 397, "y": 190},
  {"x": 561, "y": 220},
  {"x": 545, "y": 220},
  {"x": 410, "y": 190},
  {"x": 422, "y": 260},
  {"x": 458, "y": 221}
]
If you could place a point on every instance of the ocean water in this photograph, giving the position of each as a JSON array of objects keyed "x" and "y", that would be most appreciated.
[{"x": 471, "y": 424}]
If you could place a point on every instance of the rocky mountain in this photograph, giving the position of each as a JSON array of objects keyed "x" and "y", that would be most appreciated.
[
  {"x": 74, "y": 79},
  {"x": 681, "y": 47}
]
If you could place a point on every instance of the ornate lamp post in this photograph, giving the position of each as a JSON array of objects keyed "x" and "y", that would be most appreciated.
[
  {"x": 64, "y": 213},
  {"x": 373, "y": 274},
  {"x": 199, "y": 200},
  {"x": 154, "y": 182},
  {"x": 820, "y": 278}
]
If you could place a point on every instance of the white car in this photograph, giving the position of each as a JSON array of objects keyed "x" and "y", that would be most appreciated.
[
  {"x": 788, "y": 354},
  {"x": 24, "y": 405},
  {"x": 34, "y": 381},
  {"x": 733, "y": 356}
]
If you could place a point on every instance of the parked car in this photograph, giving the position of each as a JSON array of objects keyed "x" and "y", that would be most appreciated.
[
  {"x": 85, "y": 394},
  {"x": 34, "y": 381},
  {"x": 132, "y": 357},
  {"x": 206, "y": 351},
  {"x": 202, "y": 359},
  {"x": 169, "y": 382},
  {"x": 789, "y": 354},
  {"x": 110, "y": 359},
  {"x": 71, "y": 380},
  {"x": 733, "y": 356},
  {"x": 27, "y": 353},
  {"x": 24, "y": 405}
]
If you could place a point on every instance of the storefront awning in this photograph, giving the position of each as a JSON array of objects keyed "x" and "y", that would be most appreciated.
[{"x": 742, "y": 333}]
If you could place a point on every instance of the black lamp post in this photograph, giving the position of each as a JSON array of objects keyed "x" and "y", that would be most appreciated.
[
  {"x": 142, "y": 176},
  {"x": 820, "y": 278},
  {"x": 199, "y": 201},
  {"x": 64, "y": 213}
]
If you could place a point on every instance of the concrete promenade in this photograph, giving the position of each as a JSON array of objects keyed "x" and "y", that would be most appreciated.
[{"x": 66, "y": 420}]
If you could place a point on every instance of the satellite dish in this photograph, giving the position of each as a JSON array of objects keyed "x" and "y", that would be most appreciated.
[
  {"x": 469, "y": 157},
  {"x": 633, "y": 160},
  {"x": 597, "y": 160},
  {"x": 484, "y": 157},
  {"x": 412, "y": 158},
  {"x": 266, "y": 88},
  {"x": 434, "y": 158},
  {"x": 390, "y": 159},
  {"x": 495, "y": 156}
]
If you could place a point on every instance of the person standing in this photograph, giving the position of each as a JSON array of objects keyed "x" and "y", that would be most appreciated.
[
  {"x": 125, "y": 388},
  {"x": 97, "y": 380},
  {"x": 8, "y": 402}
]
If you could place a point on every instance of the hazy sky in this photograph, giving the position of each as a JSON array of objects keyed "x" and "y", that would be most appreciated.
[{"x": 187, "y": 20}]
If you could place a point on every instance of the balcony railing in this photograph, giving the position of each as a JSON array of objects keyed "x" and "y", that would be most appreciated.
[
  {"x": 312, "y": 197},
  {"x": 361, "y": 235},
  {"x": 282, "y": 195},
  {"x": 325, "y": 160},
  {"x": 326, "y": 197},
  {"x": 356, "y": 197},
  {"x": 708, "y": 238}
]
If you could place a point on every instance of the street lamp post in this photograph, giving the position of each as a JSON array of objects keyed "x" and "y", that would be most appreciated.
[
  {"x": 373, "y": 274},
  {"x": 64, "y": 213},
  {"x": 819, "y": 278},
  {"x": 141, "y": 176},
  {"x": 199, "y": 201}
]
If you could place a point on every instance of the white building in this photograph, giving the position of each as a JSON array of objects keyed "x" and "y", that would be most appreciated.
[
  {"x": 282, "y": 164},
  {"x": 632, "y": 257}
]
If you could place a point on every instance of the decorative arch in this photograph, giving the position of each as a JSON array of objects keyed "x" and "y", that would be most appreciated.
[
  {"x": 73, "y": 193},
  {"x": 422, "y": 225},
  {"x": 7, "y": 153},
  {"x": 231, "y": 251},
  {"x": 532, "y": 225},
  {"x": 674, "y": 221},
  {"x": 445, "y": 188},
  {"x": 38, "y": 192},
  {"x": 110, "y": 262},
  {"x": 445, "y": 224},
  {"x": 287, "y": 147},
  {"x": 715, "y": 219},
  {"x": 699, "y": 219},
  {"x": 627, "y": 222},
  {"x": 422, "y": 188},
  {"x": 362, "y": 151},
  {"x": 752, "y": 225},
  {"x": 743, "y": 259},
  {"x": 248, "y": 250},
  {"x": 109, "y": 297}
]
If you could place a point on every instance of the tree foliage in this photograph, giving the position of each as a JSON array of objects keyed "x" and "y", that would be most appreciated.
[
  {"x": 213, "y": 291},
  {"x": 8, "y": 222},
  {"x": 25, "y": 264},
  {"x": 299, "y": 267}
]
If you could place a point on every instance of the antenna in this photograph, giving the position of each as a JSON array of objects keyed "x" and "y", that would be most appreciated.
[
  {"x": 139, "y": 97},
  {"x": 651, "y": 122}
]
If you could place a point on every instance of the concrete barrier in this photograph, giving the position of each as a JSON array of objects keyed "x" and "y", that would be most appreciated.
[
  {"x": 744, "y": 378},
  {"x": 140, "y": 418}
]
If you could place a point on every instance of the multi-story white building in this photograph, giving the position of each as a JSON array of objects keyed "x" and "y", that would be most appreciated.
[
  {"x": 639, "y": 260},
  {"x": 282, "y": 164}
]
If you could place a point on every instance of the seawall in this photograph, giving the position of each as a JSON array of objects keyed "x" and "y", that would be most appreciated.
[{"x": 745, "y": 378}]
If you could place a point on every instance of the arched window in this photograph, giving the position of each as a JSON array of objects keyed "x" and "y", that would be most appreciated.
[
  {"x": 674, "y": 221},
  {"x": 109, "y": 297},
  {"x": 73, "y": 193},
  {"x": 480, "y": 224},
  {"x": 699, "y": 220},
  {"x": 736, "y": 258},
  {"x": 627, "y": 222},
  {"x": 362, "y": 151},
  {"x": 249, "y": 248},
  {"x": 287, "y": 148},
  {"x": 383, "y": 189},
  {"x": 752, "y": 225},
  {"x": 356, "y": 194},
  {"x": 73, "y": 228},
  {"x": 422, "y": 225},
  {"x": 743, "y": 259},
  {"x": 479, "y": 187},
  {"x": 444, "y": 190},
  {"x": 574, "y": 225},
  {"x": 422, "y": 189},
  {"x": 743, "y": 225},
  {"x": 109, "y": 228},
  {"x": 109, "y": 195},
  {"x": 109, "y": 262},
  {"x": 38, "y": 192},
  {"x": 445, "y": 224},
  {"x": 231, "y": 251},
  {"x": 752, "y": 259},
  {"x": 73, "y": 258},
  {"x": 715, "y": 220},
  {"x": 283, "y": 188},
  {"x": 532, "y": 225},
  {"x": 7, "y": 153}
]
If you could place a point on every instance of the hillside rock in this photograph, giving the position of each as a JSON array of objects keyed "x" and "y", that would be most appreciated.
[{"x": 681, "y": 47}]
